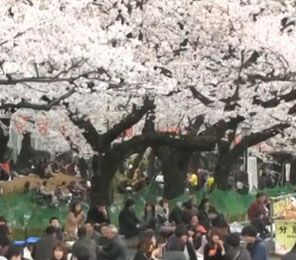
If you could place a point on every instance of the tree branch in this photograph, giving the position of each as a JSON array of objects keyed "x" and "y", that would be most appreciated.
[{"x": 197, "y": 95}]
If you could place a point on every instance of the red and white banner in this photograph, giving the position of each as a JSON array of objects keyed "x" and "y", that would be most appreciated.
[
  {"x": 20, "y": 124},
  {"x": 42, "y": 125}
]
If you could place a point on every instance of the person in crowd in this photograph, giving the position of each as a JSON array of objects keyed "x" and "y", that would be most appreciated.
[
  {"x": 99, "y": 214},
  {"x": 4, "y": 245},
  {"x": 257, "y": 210},
  {"x": 59, "y": 252},
  {"x": 55, "y": 222},
  {"x": 47, "y": 194},
  {"x": 203, "y": 210},
  {"x": 255, "y": 246},
  {"x": 182, "y": 241},
  {"x": 188, "y": 208},
  {"x": 149, "y": 219},
  {"x": 73, "y": 221},
  {"x": 84, "y": 244},
  {"x": 114, "y": 249},
  {"x": 291, "y": 255},
  {"x": 43, "y": 248},
  {"x": 14, "y": 253},
  {"x": 200, "y": 239},
  {"x": 234, "y": 251},
  {"x": 4, "y": 228},
  {"x": 217, "y": 219},
  {"x": 176, "y": 215},
  {"x": 129, "y": 224},
  {"x": 163, "y": 211},
  {"x": 63, "y": 193},
  {"x": 48, "y": 172},
  {"x": 146, "y": 250},
  {"x": 91, "y": 233},
  {"x": 193, "y": 181},
  {"x": 215, "y": 249},
  {"x": 139, "y": 180}
]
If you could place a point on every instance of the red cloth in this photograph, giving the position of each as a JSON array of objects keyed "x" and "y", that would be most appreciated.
[
  {"x": 255, "y": 210},
  {"x": 6, "y": 167}
]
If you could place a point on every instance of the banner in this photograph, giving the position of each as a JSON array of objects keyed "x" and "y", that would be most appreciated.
[
  {"x": 42, "y": 126},
  {"x": 20, "y": 124},
  {"x": 252, "y": 173},
  {"x": 285, "y": 208},
  {"x": 288, "y": 171},
  {"x": 285, "y": 236}
]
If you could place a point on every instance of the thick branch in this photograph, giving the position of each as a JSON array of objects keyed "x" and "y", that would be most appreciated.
[
  {"x": 134, "y": 117},
  {"x": 203, "y": 99},
  {"x": 277, "y": 100},
  {"x": 45, "y": 107}
]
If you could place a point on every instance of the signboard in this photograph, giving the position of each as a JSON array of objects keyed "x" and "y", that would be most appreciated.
[
  {"x": 288, "y": 171},
  {"x": 285, "y": 236},
  {"x": 252, "y": 173},
  {"x": 285, "y": 208}
]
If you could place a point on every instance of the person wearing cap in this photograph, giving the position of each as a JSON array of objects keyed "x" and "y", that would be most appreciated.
[
  {"x": 129, "y": 224},
  {"x": 234, "y": 251},
  {"x": 255, "y": 246}
]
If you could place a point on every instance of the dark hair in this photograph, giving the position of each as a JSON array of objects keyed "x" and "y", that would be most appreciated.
[
  {"x": 249, "y": 231},
  {"x": 233, "y": 240},
  {"x": 63, "y": 183},
  {"x": 61, "y": 247},
  {"x": 53, "y": 218},
  {"x": 212, "y": 233},
  {"x": 213, "y": 211},
  {"x": 260, "y": 194},
  {"x": 81, "y": 232},
  {"x": 152, "y": 209},
  {"x": 4, "y": 241},
  {"x": 162, "y": 202},
  {"x": 180, "y": 230},
  {"x": 73, "y": 208},
  {"x": 3, "y": 219},
  {"x": 144, "y": 246},
  {"x": 50, "y": 230},
  {"x": 129, "y": 202},
  {"x": 89, "y": 221},
  {"x": 44, "y": 183},
  {"x": 13, "y": 251},
  {"x": 83, "y": 254},
  {"x": 203, "y": 202},
  {"x": 100, "y": 203}
]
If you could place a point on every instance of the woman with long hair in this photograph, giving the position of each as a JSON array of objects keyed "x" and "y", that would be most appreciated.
[
  {"x": 214, "y": 250},
  {"x": 74, "y": 220},
  {"x": 146, "y": 250},
  {"x": 59, "y": 252},
  {"x": 149, "y": 218}
]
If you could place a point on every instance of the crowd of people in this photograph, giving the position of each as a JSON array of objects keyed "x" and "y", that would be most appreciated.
[{"x": 184, "y": 232}]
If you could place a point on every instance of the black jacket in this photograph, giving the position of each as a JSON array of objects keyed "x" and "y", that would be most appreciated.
[
  {"x": 242, "y": 254},
  {"x": 97, "y": 216},
  {"x": 115, "y": 250},
  {"x": 43, "y": 248},
  {"x": 128, "y": 222}
]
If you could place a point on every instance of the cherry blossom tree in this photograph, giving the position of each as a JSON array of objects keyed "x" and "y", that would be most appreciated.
[{"x": 207, "y": 67}]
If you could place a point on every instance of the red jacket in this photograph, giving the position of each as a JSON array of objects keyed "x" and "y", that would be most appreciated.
[{"x": 255, "y": 210}]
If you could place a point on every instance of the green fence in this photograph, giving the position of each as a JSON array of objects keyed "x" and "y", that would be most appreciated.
[{"x": 21, "y": 212}]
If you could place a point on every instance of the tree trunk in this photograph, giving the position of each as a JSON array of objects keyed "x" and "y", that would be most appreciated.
[
  {"x": 174, "y": 165},
  {"x": 222, "y": 172},
  {"x": 26, "y": 151},
  {"x": 105, "y": 168},
  {"x": 3, "y": 144}
]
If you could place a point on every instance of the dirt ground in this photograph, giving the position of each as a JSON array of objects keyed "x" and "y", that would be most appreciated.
[{"x": 17, "y": 185}]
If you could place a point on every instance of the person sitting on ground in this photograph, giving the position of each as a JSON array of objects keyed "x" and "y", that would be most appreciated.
[
  {"x": 129, "y": 224},
  {"x": 215, "y": 249},
  {"x": 255, "y": 246},
  {"x": 114, "y": 250},
  {"x": 149, "y": 218},
  {"x": 182, "y": 241},
  {"x": 4, "y": 228},
  {"x": 48, "y": 195},
  {"x": 59, "y": 252},
  {"x": 163, "y": 211},
  {"x": 177, "y": 214},
  {"x": 84, "y": 244},
  {"x": 42, "y": 250},
  {"x": 26, "y": 187},
  {"x": 55, "y": 222},
  {"x": 74, "y": 220},
  {"x": 99, "y": 214},
  {"x": 234, "y": 251},
  {"x": 146, "y": 250},
  {"x": 91, "y": 233}
]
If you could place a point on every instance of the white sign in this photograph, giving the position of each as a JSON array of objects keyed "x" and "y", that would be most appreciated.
[
  {"x": 252, "y": 173},
  {"x": 288, "y": 171}
]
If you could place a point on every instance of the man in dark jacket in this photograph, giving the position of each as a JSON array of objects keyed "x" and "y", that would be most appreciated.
[
  {"x": 114, "y": 248},
  {"x": 84, "y": 244},
  {"x": 234, "y": 251},
  {"x": 99, "y": 214},
  {"x": 54, "y": 222},
  {"x": 217, "y": 219},
  {"x": 255, "y": 246},
  {"x": 129, "y": 224},
  {"x": 43, "y": 248}
]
